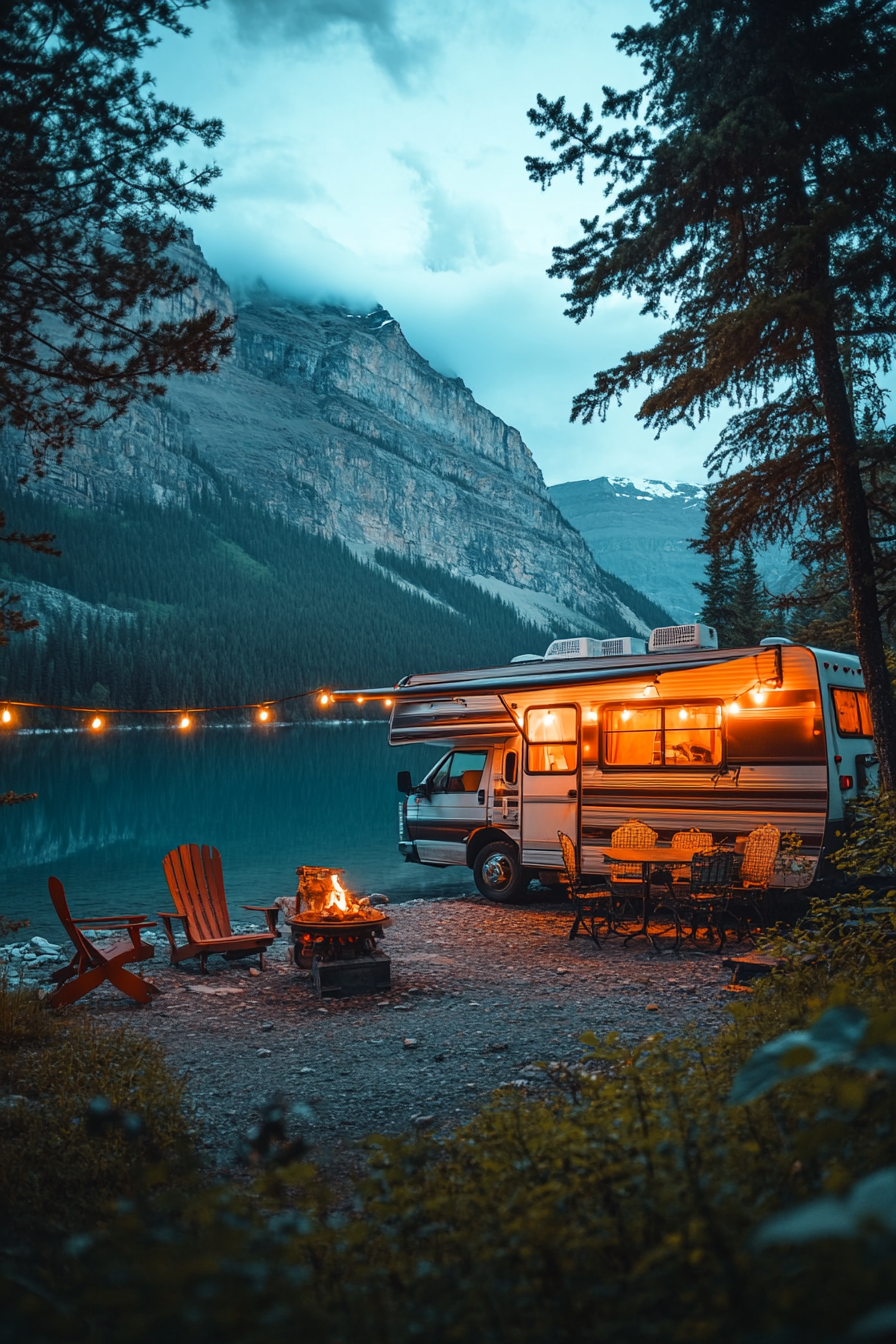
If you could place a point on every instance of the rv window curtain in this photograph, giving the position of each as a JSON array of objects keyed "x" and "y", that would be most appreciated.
[
  {"x": 662, "y": 735},
  {"x": 552, "y": 735}
]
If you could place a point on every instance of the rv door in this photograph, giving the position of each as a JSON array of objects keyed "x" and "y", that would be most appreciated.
[
  {"x": 449, "y": 805},
  {"x": 550, "y": 783}
]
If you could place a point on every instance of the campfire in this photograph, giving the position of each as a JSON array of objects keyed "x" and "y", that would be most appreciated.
[
  {"x": 321, "y": 900},
  {"x": 334, "y": 935}
]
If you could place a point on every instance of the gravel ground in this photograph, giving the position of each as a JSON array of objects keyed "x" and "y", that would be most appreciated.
[{"x": 480, "y": 992}]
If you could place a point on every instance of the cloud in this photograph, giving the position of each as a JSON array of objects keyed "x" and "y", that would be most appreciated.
[
  {"x": 312, "y": 21},
  {"x": 459, "y": 232}
]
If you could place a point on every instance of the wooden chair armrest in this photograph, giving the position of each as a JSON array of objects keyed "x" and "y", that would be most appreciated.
[
  {"x": 165, "y": 915},
  {"x": 271, "y": 914},
  {"x": 111, "y": 920}
]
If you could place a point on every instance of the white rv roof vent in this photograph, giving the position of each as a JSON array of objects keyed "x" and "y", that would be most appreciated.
[
  {"x": 668, "y": 638},
  {"x": 580, "y": 647},
  {"x": 618, "y": 648}
]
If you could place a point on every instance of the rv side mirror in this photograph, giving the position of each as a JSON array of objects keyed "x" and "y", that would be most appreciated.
[{"x": 404, "y": 782}]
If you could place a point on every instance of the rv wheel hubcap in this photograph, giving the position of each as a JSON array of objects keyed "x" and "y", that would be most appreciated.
[{"x": 497, "y": 871}]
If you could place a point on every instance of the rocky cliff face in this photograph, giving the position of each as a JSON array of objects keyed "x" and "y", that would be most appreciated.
[
  {"x": 335, "y": 423},
  {"x": 640, "y": 530}
]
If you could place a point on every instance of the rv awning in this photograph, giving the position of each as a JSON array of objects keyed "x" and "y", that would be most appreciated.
[{"x": 571, "y": 672}]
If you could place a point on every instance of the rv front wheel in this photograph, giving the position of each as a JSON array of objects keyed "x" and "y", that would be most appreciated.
[{"x": 498, "y": 872}]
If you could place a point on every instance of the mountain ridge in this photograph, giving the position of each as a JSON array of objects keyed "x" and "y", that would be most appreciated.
[{"x": 332, "y": 422}]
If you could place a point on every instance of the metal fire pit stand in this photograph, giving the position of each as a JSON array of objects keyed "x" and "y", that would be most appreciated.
[{"x": 342, "y": 954}]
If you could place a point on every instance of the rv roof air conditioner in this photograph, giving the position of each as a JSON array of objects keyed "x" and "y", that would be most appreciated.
[
  {"x": 672, "y": 638},
  {"x": 619, "y": 648},
  {"x": 580, "y": 647},
  {"x": 585, "y": 647}
]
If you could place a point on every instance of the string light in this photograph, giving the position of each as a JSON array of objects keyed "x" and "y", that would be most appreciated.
[
  {"x": 387, "y": 703},
  {"x": 324, "y": 699},
  {"x": 97, "y": 724},
  {"x": 185, "y": 721},
  {"x": 6, "y": 716},
  {"x": 264, "y": 715}
]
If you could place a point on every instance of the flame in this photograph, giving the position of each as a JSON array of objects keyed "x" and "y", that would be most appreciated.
[{"x": 339, "y": 897}]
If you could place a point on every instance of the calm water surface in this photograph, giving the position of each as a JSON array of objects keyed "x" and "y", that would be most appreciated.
[{"x": 109, "y": 807}]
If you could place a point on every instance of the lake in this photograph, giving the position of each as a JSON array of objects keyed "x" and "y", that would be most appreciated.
[{"x": 111, "y": 805}]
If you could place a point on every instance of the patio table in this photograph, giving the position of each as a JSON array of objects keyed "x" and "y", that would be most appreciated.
[{"x": 650, "y": 858}]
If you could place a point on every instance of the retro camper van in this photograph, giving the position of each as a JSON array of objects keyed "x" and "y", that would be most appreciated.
[{"x": 676, "y": 733}]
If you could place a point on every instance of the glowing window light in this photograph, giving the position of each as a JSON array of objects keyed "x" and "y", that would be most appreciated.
[
  {"x": 683, "y": 714},
  {"x": 185, "y": 721},
  {"x": 96, "y": 724},
  {"x": 6, "y": 716},
  {"x": 626, "y": 715}
]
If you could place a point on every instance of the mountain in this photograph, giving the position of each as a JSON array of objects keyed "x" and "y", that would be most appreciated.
[
  {"x": 329, "y": 421},
  {"x": 640, "y": 529}
]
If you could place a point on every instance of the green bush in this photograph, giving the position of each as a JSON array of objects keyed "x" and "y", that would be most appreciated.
[
  {"x": 631, "y": 1205},
  {"x": 61, "y": 1166}
]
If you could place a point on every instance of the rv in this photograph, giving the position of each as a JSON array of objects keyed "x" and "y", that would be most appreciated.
[{"x": 676, "y": 733}]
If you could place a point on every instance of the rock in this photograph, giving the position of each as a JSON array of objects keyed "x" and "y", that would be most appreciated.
[
  {"x": 305, "y": 1069},
  {"x": 44, "y": 946},
  {"x": 262, "y": 1052},
  {"x": 377, "y": 898},
  {"x": 410, "y": 1043},
  {"x": 253, "y": 970},
  {"x": 653, "y": 1007},
  {"x": 267, "y": 1026},
  {"x": 438, "y": 1059},
  {"x": 422, "y": 1121}
]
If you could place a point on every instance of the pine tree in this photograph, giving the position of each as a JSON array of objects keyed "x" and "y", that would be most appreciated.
[
  {"x": 753, "y": 198},
  {"x": 721, "y": 579},
  {"x": 750, "y": 607}
]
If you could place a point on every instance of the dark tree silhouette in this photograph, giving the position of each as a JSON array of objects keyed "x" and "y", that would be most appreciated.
[
  {"x": 754, "y": 196},
  {"x": 90, "y": 205}
]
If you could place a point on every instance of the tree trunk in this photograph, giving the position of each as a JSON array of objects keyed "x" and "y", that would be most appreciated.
[{"x": 853, "y": 509}]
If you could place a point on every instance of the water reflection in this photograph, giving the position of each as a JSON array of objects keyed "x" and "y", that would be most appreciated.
[{"x": 110, "y": 806}]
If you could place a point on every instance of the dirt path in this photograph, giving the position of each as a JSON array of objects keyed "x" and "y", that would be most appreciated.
[{"x": 479, "y": 993}]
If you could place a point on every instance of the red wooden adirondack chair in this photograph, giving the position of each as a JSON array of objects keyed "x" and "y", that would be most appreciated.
[
  {"x": 92, "y": 965},
  {"x": 196, "y": 882}
]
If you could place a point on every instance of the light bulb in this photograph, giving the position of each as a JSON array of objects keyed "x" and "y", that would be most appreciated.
[
  {"x": 359, "y": 699},
  {"x": 591, "y": 716},
  {"x": 324, "y": 699},
  {"x": 97, "y": 723},
  {"x": 263, "y": 715},
  {"x": 387, "y": 703},
  {"x": 682, "y": 714},
  {"x": 759, "y": 697},
  {"x": 6, "y": 716},
  {"x": 626, "y": 715},
  {"x": 734, "y": 707},
  {"x": 185, "y": 721}
]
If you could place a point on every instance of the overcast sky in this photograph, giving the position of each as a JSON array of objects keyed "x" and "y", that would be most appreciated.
[{"x": 374, "y": 153}]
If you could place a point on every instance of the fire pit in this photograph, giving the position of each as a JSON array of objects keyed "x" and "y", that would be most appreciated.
[{"x": 334, "y": 935}]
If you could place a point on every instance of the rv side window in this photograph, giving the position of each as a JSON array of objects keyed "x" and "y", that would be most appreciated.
[
  {"x": 852, "y": 713},
  {"x": 510, "y": 767},
  {"x": 552, "y": 740},
  {"x": 662, "y": 735},
  {"x": 461, "y": 773}
]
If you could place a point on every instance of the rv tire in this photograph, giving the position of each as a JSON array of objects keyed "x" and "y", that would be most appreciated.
[{"x": 498, "y": 873}]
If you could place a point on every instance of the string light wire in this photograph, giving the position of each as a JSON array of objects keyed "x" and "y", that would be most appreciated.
[{"x": 183, "y": 710}]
